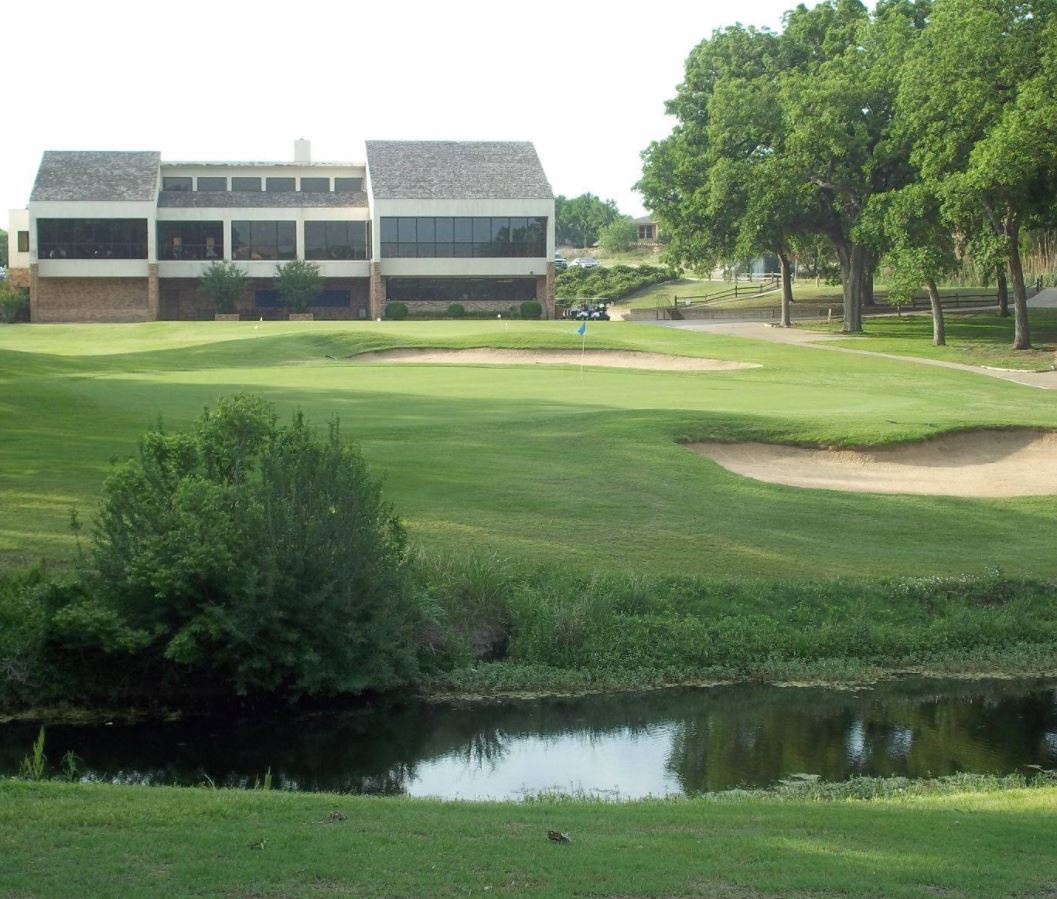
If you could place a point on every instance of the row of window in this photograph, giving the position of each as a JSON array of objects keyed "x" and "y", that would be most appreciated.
[
  {"x": 403, "y": 237},
  {"x": 457, "y": 290},
  {"x": 410, "y": 237},
  {"x": 215, "y": 183}
]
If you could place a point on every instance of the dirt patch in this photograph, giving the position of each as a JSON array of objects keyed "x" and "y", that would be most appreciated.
[
  {"x": 594, "y": 358},
  {"x": 980, "y": 463}
]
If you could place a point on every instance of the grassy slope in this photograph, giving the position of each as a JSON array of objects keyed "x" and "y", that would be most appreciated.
[
  {"x": 537, "y": 464},
  {"x": 97, "y": 840},
  {"x": 975, "y": 339}
]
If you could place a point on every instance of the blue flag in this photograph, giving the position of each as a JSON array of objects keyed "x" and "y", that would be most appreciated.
[{"x": 582, "y": 329}]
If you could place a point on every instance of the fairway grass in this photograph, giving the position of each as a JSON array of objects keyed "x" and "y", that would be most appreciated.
[
  {"x": 534, "y": 463},
  {"x": 61, "y": 840}
]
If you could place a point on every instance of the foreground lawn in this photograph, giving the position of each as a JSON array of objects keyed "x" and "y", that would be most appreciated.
[
  {"x": 974, "y": 339},
  {"x": 534, "y": 463},
  {"x": 98, "y": 840}
]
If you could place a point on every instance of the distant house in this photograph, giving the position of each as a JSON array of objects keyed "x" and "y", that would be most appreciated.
[{"x": 649, "y": 230}]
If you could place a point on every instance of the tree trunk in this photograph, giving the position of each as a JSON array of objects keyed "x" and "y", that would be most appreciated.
[
  {"x": 1021, "y": 328},
  {"x": 1003, "y": 292},
  {"x": 867, "y": 295},
  {"x": 939, "y": 336},
  {"x": 787, "y": 288},
  {"x": 853, "y": 261}
]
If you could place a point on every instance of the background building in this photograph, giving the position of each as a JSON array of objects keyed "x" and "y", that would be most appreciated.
[{"x": 123, "y": 236}]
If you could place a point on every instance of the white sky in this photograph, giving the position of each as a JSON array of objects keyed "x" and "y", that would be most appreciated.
[{"x": 585, "y": 81}]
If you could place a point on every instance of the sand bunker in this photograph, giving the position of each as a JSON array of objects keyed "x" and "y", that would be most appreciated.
[
  {"x": 595, "y": 358},
  {"x": 969, "y": 463}
]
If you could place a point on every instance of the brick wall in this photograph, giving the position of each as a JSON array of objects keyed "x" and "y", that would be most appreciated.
[
  {"x": 180, "y": 300},
  {"x": 90, "y": 300},
  {"x": 19, "y": 277}
]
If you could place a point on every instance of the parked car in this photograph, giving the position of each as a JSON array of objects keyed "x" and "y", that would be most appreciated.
[
  {"x": 584, "y": 262},
  {"x": 559, "y": 261}
]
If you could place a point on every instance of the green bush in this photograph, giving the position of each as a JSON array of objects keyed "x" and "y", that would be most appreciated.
[
  {"x": 252, "y": 557},
  {"x": 298, "y": 282},
  {"x": 14, "y": 303},
  {"x": 612, "y": 283},
  {"x": 456, "y": 310},
  {"x": 396, "y": 311},
  {"x": 531, "y": 309},
  {"x": 225, "y": 283}
]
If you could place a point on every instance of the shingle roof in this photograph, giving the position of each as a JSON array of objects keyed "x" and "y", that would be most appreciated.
[
  {"x": 644, "y": 220},
  {"x": 97, "y": 175},
  {"x": 258, "y": 199},
  {"x": 456, "y": 170}
]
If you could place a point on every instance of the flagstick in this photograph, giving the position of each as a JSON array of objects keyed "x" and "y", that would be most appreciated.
[{"x": 583, "y": 350}]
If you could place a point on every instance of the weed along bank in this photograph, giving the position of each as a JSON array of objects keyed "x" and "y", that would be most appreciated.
[{"x": 125, "y": 236}]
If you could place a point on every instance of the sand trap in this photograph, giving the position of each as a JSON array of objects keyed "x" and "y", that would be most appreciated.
[
  {"x": 596, "y": 358},
  {"x": 970, "y": 463}
]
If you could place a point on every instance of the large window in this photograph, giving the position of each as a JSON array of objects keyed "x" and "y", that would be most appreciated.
[
  {"x": 245, "y": 183},
  {"x": 315, "y": 185},
  {"x": 336, "y": 240},
  {"x": 92, "y": 238},
  {"x": 279, "y": 184},
  {"x": 191, "y": 240},
  {"x": 331, "y": 297},
  {"x": 263, "y": 240},
  {"x": 348, "y": 184},
  {"x": 407, "y": 237},
  {"x": 455, "y": 290},
  {"x": 212, "y": 184}
]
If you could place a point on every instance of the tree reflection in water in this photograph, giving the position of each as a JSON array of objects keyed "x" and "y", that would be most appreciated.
[{"x": 694, "y": 739}]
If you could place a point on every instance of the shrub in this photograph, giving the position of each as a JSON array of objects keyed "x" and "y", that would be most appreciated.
[
  {"x": 298, "y": 282},
  {"x": 531, "y": 309},
  {"x": 619, "y": 235},
  {"x": 396, "y": 311},
  {"x": 14, "y": 303},
  {"x": 224, "y": 282},
  {"x": 611, "y": 283},
  {"x": 255, "y": 557},
  {"x": 456, "y": 310}
]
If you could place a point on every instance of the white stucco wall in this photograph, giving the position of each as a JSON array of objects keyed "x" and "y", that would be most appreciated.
[
  {"x": 100, "y": 268},
  {"x": 17, "y": 220}
]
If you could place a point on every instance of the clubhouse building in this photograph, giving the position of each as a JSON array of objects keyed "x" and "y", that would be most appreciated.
[{"x": 123, "y": 236}]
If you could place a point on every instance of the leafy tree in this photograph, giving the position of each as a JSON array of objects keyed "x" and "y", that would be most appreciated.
[
  {"x": 298, "y": 282},
  {"x": 578, "y": 220},
  {"x": 783, "y": 136},
  {"x": 980, "y": 95},
  {"x": 619, "y": 236},
  {"x": 253, "y": 557},
  {"x": 225, "y": 283},
  {"x": 3, "y": 248}
]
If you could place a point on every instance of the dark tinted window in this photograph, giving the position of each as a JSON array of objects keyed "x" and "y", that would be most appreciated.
[
  {"x": 483, "y": 236},
  {"x": 191, "y": 240},
  {"x": 454, "y": 290},
  {"x": 278, "y": 184},
  {"x": 348, "y": 184},
  {"x": 212, "y": 184},
  {"x": 315, "y": 185},
  {"x": 92, "y": 238},
  {"x": 263, "y": 240},
  {"x": 174, "y": 183},
  {"x": 241, "y": 183},
  {"x": 23, "y": 241},
  {"x": 336, "y": 240}
]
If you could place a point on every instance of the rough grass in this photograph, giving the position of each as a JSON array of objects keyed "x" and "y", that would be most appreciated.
[
  {"x": 98, "y": 840},
  {"x": 536, "y": 464}
]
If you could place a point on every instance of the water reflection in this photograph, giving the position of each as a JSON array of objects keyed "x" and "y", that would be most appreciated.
[{"x": 672, "y": 741}]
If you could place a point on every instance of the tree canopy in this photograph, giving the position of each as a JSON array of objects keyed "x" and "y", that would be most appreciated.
[
  {"x": 578, "y": 220},
  {"x": 784, "y": 137}
]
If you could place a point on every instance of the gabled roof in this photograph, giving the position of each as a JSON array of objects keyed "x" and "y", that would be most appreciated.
[
  {"x": 97, "y": 175},
  {"x": 645, "y": 220},
  {"x": 456, "y": 170},
  {"x": 258, "y": 199}
]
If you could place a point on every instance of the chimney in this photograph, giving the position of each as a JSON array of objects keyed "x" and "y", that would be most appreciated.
[{"x": 302, "y": 150}]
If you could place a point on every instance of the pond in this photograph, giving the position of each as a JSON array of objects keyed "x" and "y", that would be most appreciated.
[{"x": 677, "y": 741}]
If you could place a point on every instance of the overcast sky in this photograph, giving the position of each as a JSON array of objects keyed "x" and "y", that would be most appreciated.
[{"x": 585, "y": 81}]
